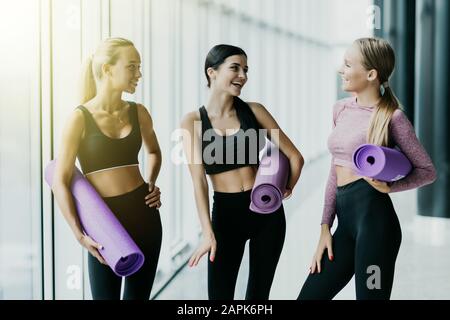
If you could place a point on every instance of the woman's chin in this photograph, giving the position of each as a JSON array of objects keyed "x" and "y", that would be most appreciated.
[
  {"x": 130, "y": 90},
  {"x": 346, "y": 88},
  {"x": 235, "y": 93}
]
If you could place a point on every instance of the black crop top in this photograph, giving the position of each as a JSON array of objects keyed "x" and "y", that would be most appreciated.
[
  {"x": 98, "y": 151},
  {"x": 224, "y": 153}
]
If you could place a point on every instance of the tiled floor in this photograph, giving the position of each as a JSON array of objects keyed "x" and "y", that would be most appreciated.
[{"x": 423, "y": 264}]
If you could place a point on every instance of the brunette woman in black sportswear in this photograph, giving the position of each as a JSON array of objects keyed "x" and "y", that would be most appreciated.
[{"x": 231, "y": 134}]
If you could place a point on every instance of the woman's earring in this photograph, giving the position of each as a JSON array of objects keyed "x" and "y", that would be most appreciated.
[
  {"x": 382, "y": 90},
  {"x": 383, "y": 87}
]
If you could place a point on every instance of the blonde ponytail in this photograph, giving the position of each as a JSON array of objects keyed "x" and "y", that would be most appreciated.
[
  {"x": 88, "y": 86},
  {"x": 378, "y": 132},
  {"x": 378, "y": 54}
]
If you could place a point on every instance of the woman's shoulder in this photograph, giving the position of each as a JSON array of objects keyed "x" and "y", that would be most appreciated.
[
  {"x": 398, "y": 115},
  {"x": 77, "y": 115},
  {"x": 342, "y": 103},
  {"x": 259, "y": 112},
  {"x": 75, "y": 122},
  {"x": 140, "y": 107},
  {"x": 144, "y": 117},
  {"x": 142, "y": 110},
  {"x": 190, "y": 118},
  {"x": 399, "y": 120},
  {"x": 256, "y": 107}
]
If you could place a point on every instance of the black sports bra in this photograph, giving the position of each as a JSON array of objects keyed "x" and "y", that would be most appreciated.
[
  {"x": 98, "y": 151},
  {"x": 225, "y": 153}
]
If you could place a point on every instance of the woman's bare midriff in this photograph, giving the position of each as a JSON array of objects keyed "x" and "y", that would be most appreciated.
[
  {"x": 237, "y": 180},
  {"x": 116, "y": 181},
  {"x": 345, "y": 176}
]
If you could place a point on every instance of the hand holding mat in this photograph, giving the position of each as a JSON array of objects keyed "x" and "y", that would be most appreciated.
[
  {"x": 381, "y": 163},
  {"x": 270, "y": 182},
  {"x": 99, "y": 222}
]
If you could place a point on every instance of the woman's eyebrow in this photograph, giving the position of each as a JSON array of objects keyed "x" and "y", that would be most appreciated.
[{"x": 237, "y": 64}]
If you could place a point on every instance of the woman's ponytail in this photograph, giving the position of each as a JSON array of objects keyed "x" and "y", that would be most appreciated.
[{"x": 88, "y": 88}]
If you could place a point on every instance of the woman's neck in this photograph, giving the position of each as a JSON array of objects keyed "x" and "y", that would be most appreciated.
[
  {"x": 108, "y": 100},
  {"x": 368, "y": 98},
  {"x": 220, "y": 103}
]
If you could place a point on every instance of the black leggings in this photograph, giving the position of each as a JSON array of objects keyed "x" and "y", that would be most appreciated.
[
  {"x": 366, "y": 243},
  {"x": 233, "y": 224},
  {"x": 144, "y": 226}
]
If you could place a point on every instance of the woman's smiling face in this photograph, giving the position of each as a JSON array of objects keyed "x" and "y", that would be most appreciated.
[
  {"x": 231, "y": 75},
  {"x": 354, "y": 75},
  {"x": 125, "y": 73}
]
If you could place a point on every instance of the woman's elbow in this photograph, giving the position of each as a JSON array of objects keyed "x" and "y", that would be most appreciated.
[
  {"x": 302, "y": 160},
  {"x": 428, "y": 175},
  {"x": 156, "y": 154},
  {"x": 298, "y": 159},
  {"x": 200, "y": 184},
  {"x": 59, "y": 183},
  {"x": 432, "y": 174}
]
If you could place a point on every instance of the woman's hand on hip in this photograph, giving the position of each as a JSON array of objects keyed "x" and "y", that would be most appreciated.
[
  {"x": 378, "y": 185},
  {"x": 153, "y": 199},
  {"x": 208, "y": 244},
  {"x": 325, "y": 242}
]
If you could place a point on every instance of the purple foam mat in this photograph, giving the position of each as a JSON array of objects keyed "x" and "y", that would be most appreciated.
[
  {"x": 99, "y": 222},
  {"x": 381, "y": 163},
  {"x": 270, "y": 182}
]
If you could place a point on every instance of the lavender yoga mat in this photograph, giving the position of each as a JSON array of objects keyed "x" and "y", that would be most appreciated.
[
  {"x": 381, "y": 163},
  {"x": 99, "y": 222},
  {"x": 271, "y": 180}
]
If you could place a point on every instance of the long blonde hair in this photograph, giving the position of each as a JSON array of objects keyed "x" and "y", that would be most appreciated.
[
  {"x": 378, "y": 54},
  {"x": 107, "y": 52}
]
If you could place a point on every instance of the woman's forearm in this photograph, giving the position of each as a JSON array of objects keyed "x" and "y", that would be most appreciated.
[
  {"x": 202, "y": 202},
  {"x": 154, "y": 165},
  {"x": 66, "y": 205},
  {"x": 296, "y": 163},
  {"x": 325, "y": 228}
]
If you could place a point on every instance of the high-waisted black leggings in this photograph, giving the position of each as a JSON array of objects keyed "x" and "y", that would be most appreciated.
[
  {"x": 366, "y": 243},
  {"x": 233, "y": 224},
  {"x": 144, "y": 226}
]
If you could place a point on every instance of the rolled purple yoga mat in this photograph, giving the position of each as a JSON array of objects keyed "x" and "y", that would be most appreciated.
[
  {"x": 381, "y": 163},
  {"x": 270, "y": 182},
  {"x": 99, "y": 222}
]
